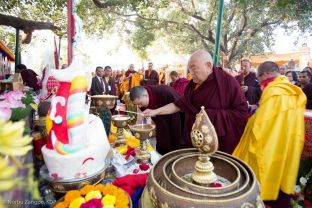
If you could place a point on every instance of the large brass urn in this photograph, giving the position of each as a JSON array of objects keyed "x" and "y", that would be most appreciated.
[{"x": 201, "y": 177}]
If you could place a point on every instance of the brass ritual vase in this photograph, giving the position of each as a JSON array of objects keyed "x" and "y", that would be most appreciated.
[
  {"x": 143, "y": 132},
  {"x": 120, "y": 121},
  {"x": 104, "y": 101}
]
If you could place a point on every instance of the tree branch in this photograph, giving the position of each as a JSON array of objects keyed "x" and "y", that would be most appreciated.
[
  {"x": 103, "y": 5},
  {"x": 194, "y": 15},
  {"x": 231, "y": 16},
  {"x": 251, "y": 33},
  {"x": 238, "y": 33},
  {"x": 26, "y": 25}
]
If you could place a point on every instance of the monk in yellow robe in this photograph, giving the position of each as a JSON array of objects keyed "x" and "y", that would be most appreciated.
[
  {"x": 274, "y": 136},
  {"x": 132, "y": 79}
]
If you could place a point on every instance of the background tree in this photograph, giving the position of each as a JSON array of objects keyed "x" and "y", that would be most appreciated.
[
  {"x": 30, "y": 15},
  {"x": 190, "y": 24},
  {"x": 185, "y": 25}
]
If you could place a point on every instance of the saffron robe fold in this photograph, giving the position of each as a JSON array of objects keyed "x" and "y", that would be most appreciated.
[
  {"x": 273, "y": 138},
  {"x": 224, "y": 103},
  {"x": 132, "y": 81}
]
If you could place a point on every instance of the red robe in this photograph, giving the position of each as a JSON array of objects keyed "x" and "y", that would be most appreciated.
[
  {"x": 224, "y": 103},
  {"x": 168, "y": 127},
  {"x": 180, "y": 85}
]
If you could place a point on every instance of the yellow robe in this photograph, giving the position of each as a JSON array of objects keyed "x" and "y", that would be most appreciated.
[
  {"x": 273, "y": 138},
  {"x": 135, "y": 81}
]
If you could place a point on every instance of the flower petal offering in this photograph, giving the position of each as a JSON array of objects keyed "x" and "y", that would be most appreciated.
[{"x": 96, "y": 196}]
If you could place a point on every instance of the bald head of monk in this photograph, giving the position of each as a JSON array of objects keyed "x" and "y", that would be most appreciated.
[
  {"x": 200, "y": 66},
  {"x": 267, "y": 70}
]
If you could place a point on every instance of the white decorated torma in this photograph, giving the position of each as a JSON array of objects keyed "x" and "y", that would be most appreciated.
[{"x": 77, "y": 144}]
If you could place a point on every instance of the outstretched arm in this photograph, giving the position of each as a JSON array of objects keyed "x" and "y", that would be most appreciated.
[{"x": 167, "y": 109}]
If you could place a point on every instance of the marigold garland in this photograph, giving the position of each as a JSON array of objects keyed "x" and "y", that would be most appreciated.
[{"x": 121, "y": 198}]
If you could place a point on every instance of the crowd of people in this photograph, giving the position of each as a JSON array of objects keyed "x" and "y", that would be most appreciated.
[{"x": 258, "y": 115}]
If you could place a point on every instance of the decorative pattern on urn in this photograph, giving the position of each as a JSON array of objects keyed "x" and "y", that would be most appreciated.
[
  {"x": 205, "y": 139},
  {"x": 203, "y": 134}
]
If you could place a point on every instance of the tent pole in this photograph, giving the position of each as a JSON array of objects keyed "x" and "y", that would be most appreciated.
[{"x": 218, "y": 32}]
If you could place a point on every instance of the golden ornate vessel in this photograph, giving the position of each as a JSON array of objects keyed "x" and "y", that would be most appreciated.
[
  {"x": 143, "y": 132},
  {"x": 120, "y": 121},
  {"x": 201, "y": 177},
  {"x": 104, "y": 101}
]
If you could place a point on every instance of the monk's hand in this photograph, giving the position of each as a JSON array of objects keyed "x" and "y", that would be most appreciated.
[
  {"x": 149, "y": 113},
  {"x": 244, "y": 88}
]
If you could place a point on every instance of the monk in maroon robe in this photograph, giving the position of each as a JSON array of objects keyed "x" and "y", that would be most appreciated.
[
  {"x": 221, "y": 96},
  {"x": 179, "y": 84},
  {"x": 151, "y": 76},
  {"x": 249, "y": 84},
  {"x": 306, "y": 86},
  {"x": 29, "y": 77},
  {"x": 168, "y": 127}
]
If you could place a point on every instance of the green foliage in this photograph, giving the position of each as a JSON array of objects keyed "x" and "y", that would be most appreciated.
[
  {"x": 7, "y": 35},
  {"x": 21, "y": 113},
  {"x": 185, "y": 25}
]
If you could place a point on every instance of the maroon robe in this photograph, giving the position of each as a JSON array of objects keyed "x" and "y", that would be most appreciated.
[
  {"x": 30, "y": 79},
  {"x": 224, "y": 103},
  {"x": 168, "y": 127},
  {"x": 180, "y": 85},
  {"x": 308, "y": 92},
  {"x": 254, "y": 92},
  {"x": 152, "y": 79}
]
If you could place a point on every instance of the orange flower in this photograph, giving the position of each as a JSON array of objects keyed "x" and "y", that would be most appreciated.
[
  {"x": 71, "y": 195},
  {"x": 110, "y": 189},
  {"x": 122, "y": 200},
  {"x": 121, "y": 205},
  {"x": 105, "y": 190},
  {"x": 99, "y": 187},
  {"x": 86, "y": 189},
  {"x": 61, "y": 205}
]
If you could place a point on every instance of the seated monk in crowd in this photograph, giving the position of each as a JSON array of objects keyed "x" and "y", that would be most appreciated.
[
  {"x": 221, "y": 96},
  {"x": 168, "y": 127}
]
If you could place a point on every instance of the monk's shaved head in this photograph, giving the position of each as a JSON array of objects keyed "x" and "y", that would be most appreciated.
[
  {"x": 137, "y": 92},
  {"x": 267, "y": 70},
  {"x": 201, "y": 56},
  {"x": 200, "y": 65},
  {"x": 139, "y": 96},
  {"x": 268, "y": 66}
]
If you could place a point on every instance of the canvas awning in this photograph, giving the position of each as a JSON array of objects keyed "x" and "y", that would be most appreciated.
[{"x": 279, "y": 59}]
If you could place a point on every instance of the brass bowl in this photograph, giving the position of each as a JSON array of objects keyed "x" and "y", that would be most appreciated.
[
  {"x": 222, "y": 167},
  {"x": 62, "y": 186},
  {"x": 120, "y": 121},
  {"x": 142, "y": 131},
  {"x": 104, "y": 101},
  {"x": 166, "y": 188}
]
